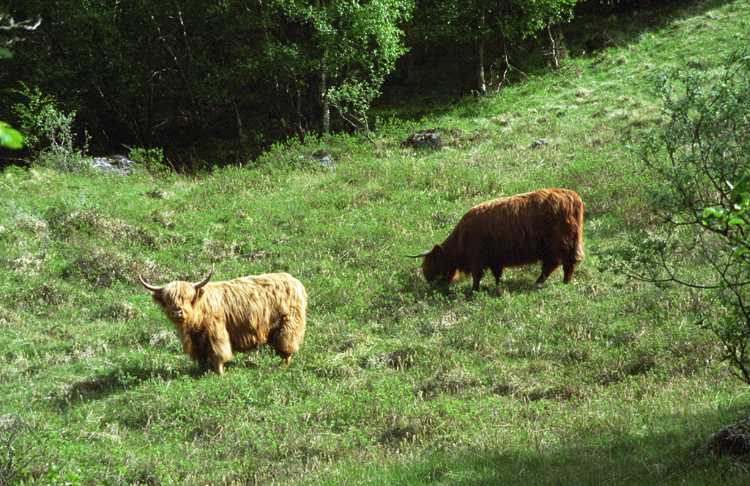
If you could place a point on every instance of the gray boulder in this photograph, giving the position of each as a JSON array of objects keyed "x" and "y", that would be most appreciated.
[
  {"x": 424, "y": 139},
  {"x": 113, "y": 164},
  {"x": 324, "y": 159}
]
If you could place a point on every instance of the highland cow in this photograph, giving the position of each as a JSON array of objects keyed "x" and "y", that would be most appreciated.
[
  {"x": 544, "y": 225},
  {"x": 216, "y": 319}
]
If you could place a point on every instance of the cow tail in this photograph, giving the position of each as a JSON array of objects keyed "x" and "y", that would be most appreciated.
[{"x": 579, "y": 242}]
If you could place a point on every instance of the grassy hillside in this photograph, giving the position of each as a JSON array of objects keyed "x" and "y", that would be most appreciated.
[{"x": 603, "y": 380}]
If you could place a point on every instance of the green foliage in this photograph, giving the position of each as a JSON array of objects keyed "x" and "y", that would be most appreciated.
[
  {"x": 49, "y": 130},
  {"x": 10, "y": 137},
  {"x": 151, "y": 159},
  {"x": 732, "y": 220},
  {"x": 237, "y": 71},
  {"x": 510, "y": 20},
  {"x": 44, "y": 124},
  {"x": 252, "y": 74},
  {"x": 17, "y": 452},
  {"x": 507, "y": 24},
  {"x": 701, "y": 155},
  {"x": 353, "y": 99},
  {"x": 529, "y": 17},
  {"x": 356, "y": 45}
]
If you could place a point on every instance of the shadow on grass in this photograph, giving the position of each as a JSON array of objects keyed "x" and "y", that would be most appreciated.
[
  {"x": 407, "y": 295},
  {"x": 524, "y": 285},
  {"x": 409, "y": 290},
  {"x": 117, "y": 380},
  {"x": 120, "y": 379},
  {"x": 676, "y": 455}
]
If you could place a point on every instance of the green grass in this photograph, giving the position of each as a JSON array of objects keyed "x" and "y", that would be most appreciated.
[{"x": 605, "y": 380}]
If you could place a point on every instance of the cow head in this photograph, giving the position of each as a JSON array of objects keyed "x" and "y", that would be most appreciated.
[
  {"x": 178, "y": 299},
  {"x": 436, "y": 266}
]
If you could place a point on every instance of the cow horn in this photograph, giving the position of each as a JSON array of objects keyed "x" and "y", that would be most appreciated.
[
  {"x": 152, "y": 288},
  {"x": 203, "y": 282},
  {"x": 423, "y": 254}
]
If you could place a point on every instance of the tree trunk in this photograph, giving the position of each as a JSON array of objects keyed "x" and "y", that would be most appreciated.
[
  {"x": 481, "y": 83},
  {"x": 300, "y": 125},
  {"x": 411, "y": 60},
  {"x": 558, "y": 51},
  {"x": 240, "y": 131},
  {"x": 325, "y": 106}
]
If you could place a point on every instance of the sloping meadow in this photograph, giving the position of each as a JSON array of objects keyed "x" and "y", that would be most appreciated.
[{"x": 397, "y": 381}]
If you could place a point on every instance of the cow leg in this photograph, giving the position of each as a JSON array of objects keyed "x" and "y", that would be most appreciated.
[
  {"x": 220, "y": 348},
  {"x": 497, "y": 272},
  {"x": 476, "y": 276},
  {"x": 568, "y": 268},
  {"x": 548, "y": 266},
  {"x": 203, "y": 365}
]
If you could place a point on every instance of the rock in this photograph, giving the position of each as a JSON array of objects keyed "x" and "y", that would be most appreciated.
[
  {"x": 598, "y": 42},
  {"x": 113, "y": 164},
  {"x": 324, "y": 159},
  {"x": 424, "y": 139},
  {"x": 733, "y": 440},
  {"x": 159, "y": 194}
]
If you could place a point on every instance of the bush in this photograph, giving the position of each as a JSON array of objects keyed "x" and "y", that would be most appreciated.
[
  {"x": 15, "y": 453},
  {"x": 151, "y": 159},
  {"x": 701, "y": 155},
  {"x": 48, "y": 130},
  {"x": 353, "y": 100}
]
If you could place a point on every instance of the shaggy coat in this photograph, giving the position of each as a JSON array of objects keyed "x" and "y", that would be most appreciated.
[
  {"x": 216, "y": 319},
  {"x": 544, "y": 225}
]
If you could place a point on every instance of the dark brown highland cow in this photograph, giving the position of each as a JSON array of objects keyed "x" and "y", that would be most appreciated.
[
  {"x": 216, "y": 319},
  {"x": 544, "y": 225}
]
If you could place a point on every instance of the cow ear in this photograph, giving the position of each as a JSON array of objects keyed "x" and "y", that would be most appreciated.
[{"x": 437, "y": 249}]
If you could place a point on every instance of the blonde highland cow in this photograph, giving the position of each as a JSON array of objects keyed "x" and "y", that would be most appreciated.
[{"x": 216, "y": 319}]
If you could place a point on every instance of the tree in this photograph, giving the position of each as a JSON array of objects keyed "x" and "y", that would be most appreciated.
[
  {"x": 480, "y": 22},
  {"x": 702, "y": 155},
  {"x": 10, "y": 137},
  {"x": 349, "y": 47},
  {"x": 200, "y": 74}
]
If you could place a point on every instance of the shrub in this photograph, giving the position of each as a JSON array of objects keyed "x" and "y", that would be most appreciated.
[
  {"x": 701, "y": 156},
  {"x": 15, "y": 454},
  {"x": 151, "y": 159},
  {"x": 48, "y": 129}
]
